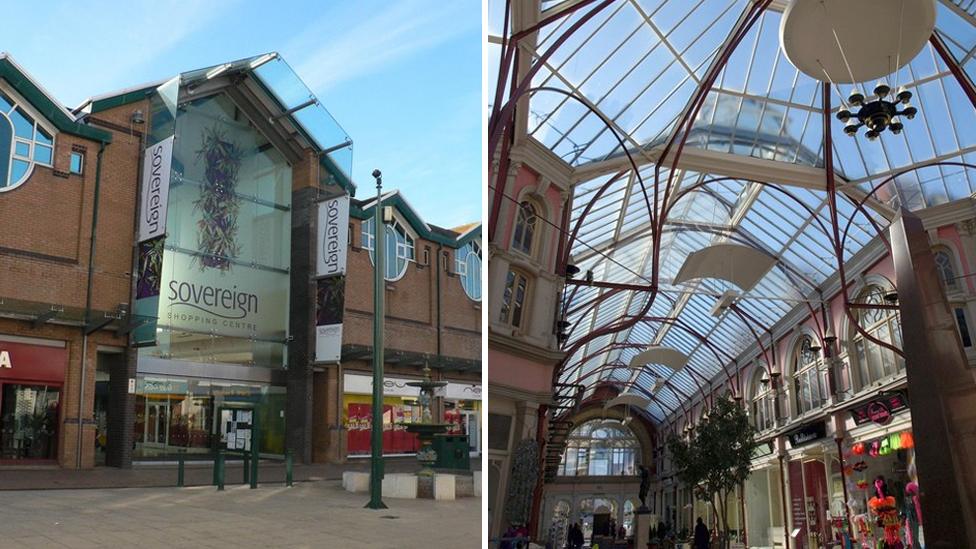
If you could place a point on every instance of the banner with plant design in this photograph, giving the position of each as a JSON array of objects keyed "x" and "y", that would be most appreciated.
[
  {"x": 219, "y": 203},
  {"x": 329, "y": 305},
  {"x": 148, "y": 283}
]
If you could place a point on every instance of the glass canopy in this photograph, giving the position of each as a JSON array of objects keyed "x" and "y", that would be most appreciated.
[{"x": 752, "y": 171}]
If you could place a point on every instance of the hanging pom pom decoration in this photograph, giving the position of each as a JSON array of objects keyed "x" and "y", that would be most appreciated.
[
  {"x": 895, "y": 441},
  {"x": 861, "y": 483},
  {"x": 875, "y": 448},
  {"x": 885, "y": 448},
  {"x": 858, "y": 448},
  {"x": 860, "y": 466},
  {"x": 848, "y": 471},
  {"x": 907, "y": 441}
]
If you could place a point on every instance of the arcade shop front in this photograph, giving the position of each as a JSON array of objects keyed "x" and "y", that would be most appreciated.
[{"x": 31, "y": 383}]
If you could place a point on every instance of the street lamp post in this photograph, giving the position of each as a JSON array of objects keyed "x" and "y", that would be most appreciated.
[{"x": 376, "y": 440}]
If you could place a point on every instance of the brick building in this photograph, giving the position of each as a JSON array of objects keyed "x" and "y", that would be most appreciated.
[
  {"x": 175, "y": 272},
  {"x": 433, "y": 316}
]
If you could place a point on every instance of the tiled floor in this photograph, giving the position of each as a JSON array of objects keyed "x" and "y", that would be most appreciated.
[{"x": 309, "y": 514}]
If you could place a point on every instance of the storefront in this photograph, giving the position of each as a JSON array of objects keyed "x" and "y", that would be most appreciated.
[
  {"x": 879, "y": 458},
  {"x": 215, "y": 282},
  {"x": 401, "y": 405},
  {"x": 31, "y": 381},
  {"x": 462, "y": 408},
  {"x": 809, "y": 500},
  {"x": 175, "y": 414}
]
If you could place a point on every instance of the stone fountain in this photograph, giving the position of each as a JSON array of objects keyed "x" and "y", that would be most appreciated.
[{"x": 426, "y": 428}]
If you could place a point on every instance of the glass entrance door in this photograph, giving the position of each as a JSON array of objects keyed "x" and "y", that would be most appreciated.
[
  {"x": 28, "y": 421},
  {"x": 157, "y": 423}
]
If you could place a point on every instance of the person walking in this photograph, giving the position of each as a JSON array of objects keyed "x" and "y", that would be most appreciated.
[{"x": 701, "y": 535}]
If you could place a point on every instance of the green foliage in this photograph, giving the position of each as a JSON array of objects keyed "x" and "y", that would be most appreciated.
[{"x": 715, "y": 458}]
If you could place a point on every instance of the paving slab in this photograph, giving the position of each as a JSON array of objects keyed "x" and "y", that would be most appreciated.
[{"x": 309, "y": 514}]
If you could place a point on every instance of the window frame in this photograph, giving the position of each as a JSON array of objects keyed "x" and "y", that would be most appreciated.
[
  {"x": 763, "y": 405},
  {"x": 404, "y": 245},
  {"x": 808, "y": 375},
  {"x": 864, "y": 353},
  {"x": 519, "y": 232},
  {"x": 461, "y": 268},
  {"x": 71, "y": 163},
  {"x": 39, "y": 125},
  {"x": 506, "y": 315},
  {"x": 618, "y": 455}
]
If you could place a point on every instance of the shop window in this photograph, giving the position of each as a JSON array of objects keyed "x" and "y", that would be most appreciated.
[
  {"x": 77, "y": 163},
  {"x": 874, "y": 362},
  {"x": 600, "y": 448},
  {"x": 526, "y": 227},
  {"x": 24, "y": 142},
  {"x": 28, "y": 421},
  {"x": 514, "y": 298},
  {"x": 468, "y": 268},
  {"x": 946, "y": 269},
  {"x": 398, "y": 248},
  {"x": 808, "y": 377}
]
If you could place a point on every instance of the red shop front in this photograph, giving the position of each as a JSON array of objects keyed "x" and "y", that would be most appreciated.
[{"x": 31, "y": 381}]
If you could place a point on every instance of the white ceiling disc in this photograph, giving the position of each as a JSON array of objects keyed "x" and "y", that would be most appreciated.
[{"x": 868, "y": 33}]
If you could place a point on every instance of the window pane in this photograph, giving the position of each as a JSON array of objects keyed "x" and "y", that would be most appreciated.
[
  {"x": 967, "y": 340},
  {"x": 23, "y": 124},
  {"x": 43, "y": 137},
  {"x": 22, "y": 149},
  {"x": 18, "y": 171},
  {"x": 43, "y": 155},
  {"x": 77, "y": 162}
]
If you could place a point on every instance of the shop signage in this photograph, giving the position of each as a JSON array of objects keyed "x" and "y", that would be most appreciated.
[
  {"x": 329, "y": 305},
  {"x": 807, "y": 433},
  {"x": 241, "y": 302},
  {"x": 158, "y": 386},
  {"x": 880, "y": 410},
  {"x": 156, "y": 163},
  {"x": 396, "y": 386},
  {"x": 392, "y": 386},
  {"x": 32, "y": 363},
  {"x": 460, "y": 391},
  {"x": 333, "y": 236}
]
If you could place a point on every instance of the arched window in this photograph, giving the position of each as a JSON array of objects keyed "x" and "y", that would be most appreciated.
[
  {"x": 526, "y": 226},
  {"x": 763, "y": 401},
  {"x": 944, "y": 265},
  {"x": 808, "y": 378},
  {"x": 875, "y": 362},
  {"x": 601, "y": 448},
  {"x": 514, "y": 299},
  {"x": 589, "y": 507},
  {"x": 23, "y": 143},
  {"x": 398, "y": 248},
  {"x": 468, "y": 267}
]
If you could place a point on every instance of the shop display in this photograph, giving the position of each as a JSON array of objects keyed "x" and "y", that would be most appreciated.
[{"x": 883, "y": 491}]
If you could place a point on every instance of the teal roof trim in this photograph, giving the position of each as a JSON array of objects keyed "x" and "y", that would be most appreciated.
[
  {"x": 46, "y": 106},
  {"x": 414, "y": 220},
  {"x": 127, "y": 98}
]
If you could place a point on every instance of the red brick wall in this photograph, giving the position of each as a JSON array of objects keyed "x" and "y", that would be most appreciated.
[{"x": 411, "y": 307}]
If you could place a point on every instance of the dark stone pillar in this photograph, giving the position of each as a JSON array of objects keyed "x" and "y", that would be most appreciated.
[
  {"x": 942, "y": 392},
  {"x": 121, "y": 408},
  {"x": 301, "y": 321}
]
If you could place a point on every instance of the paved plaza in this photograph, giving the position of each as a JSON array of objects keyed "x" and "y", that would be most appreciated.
[{"x": 309, "y": 514}]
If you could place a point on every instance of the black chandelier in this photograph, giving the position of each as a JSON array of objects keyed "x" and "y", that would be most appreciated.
[{"x": 879, "y": 114}]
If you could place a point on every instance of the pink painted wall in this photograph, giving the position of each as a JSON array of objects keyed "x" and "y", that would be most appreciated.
[
  {"x": 527, "y": 178},
  {"x": 518, "y": 372}
]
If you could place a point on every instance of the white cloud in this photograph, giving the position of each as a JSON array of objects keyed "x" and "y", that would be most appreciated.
[{"x": 397, "y": 31}]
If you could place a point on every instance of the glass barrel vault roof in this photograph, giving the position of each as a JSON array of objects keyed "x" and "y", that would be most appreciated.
[{"x": 639, "y": 62}]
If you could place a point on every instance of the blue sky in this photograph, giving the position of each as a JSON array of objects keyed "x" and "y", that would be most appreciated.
[{"x": 403, "y": 77}]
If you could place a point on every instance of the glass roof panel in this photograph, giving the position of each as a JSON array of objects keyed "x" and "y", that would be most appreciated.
[{"x": 639, "y": 63}]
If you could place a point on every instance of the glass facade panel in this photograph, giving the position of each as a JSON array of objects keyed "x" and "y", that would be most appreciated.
[{"x": 174, "y": 413}]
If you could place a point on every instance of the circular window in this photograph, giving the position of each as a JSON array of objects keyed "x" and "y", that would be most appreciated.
[
  {"x": 468, "y": 267},
  {"x": 23, "y": 143}
]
